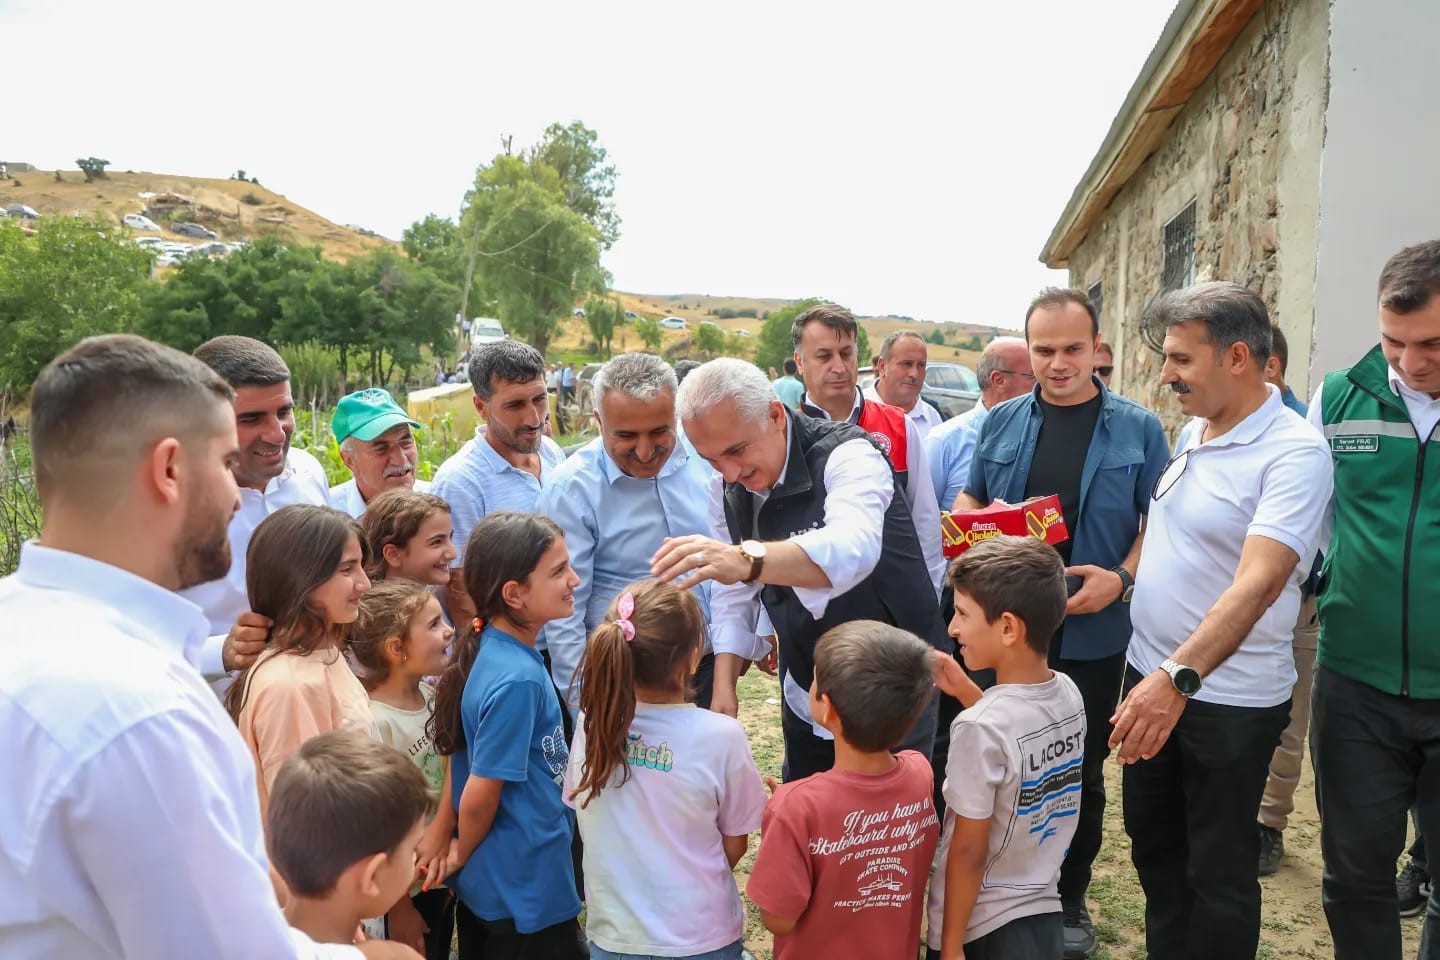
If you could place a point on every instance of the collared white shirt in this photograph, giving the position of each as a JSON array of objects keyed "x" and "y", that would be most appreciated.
[
  {"x": 613, "y": 523},
  {"x": 949, "y": 449},
  {"x": 128, "y": 802},
  {"x": 346, "y": 496},
  {"x": 1269, "y": 476},
  {"x": 859, "y": 485},
  {"x": 302, "y": 481},
  {"x": 477, "y": 482},
  {"x": 924, "y": 416},
  {"x": 1424, "y": 411},
  {"x": 919, "y": 489}
]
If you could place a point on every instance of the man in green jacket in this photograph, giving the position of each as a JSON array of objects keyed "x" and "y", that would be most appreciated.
[{"x": 1375, "y": 728}]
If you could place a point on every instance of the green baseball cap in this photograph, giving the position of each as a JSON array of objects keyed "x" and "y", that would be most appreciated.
[{"x": 365, "y": 414}]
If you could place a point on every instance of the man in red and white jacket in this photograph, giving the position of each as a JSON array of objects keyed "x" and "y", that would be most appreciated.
[{"x": 824, "y": 340}]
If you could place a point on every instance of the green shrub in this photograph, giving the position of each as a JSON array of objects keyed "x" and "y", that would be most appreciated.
[{"x": 251, "y": 199}]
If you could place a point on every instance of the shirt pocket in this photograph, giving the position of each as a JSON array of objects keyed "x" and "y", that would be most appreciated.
[
  {"x": 997, "y": 459},
  {"x": 1113, "y": 487}
]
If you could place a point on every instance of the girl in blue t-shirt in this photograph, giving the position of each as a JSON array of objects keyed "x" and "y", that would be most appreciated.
[{"x": 497, "y": 715}]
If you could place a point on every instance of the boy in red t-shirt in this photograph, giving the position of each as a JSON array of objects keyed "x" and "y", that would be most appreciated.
[{"x": 844, "y": 854}]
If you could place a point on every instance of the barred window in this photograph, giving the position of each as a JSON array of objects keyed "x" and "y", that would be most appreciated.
[{"x": 1179, "y": 241}]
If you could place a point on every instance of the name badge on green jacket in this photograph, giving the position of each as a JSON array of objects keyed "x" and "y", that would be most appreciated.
[{"x": 1355, "y": 443}]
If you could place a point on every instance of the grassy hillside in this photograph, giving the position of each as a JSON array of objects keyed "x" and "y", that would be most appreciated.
[
  {"x": 217, "y": 204},
  {"x": 574, "y": 337}
]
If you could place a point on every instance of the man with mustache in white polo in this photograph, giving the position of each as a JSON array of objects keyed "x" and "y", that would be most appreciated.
[{"x": 377, "y": 447}]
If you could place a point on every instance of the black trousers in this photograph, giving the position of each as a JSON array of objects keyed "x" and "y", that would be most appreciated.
[
  {"x": 499, "y": 940},
  {"x": 1190, "y": 814},
  {"x": 1099, "y": 684},
  {"x": 1376, "y": 756},
  {"x": 437, "y": 909},
  {"x": 806, "y": 753},
  {"x": 1038, "y": 937}
]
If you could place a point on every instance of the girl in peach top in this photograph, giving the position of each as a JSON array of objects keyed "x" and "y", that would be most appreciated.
[{"x": 305, "y": 570}]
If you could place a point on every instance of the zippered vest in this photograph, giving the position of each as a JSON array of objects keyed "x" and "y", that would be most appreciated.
[
  {"x": 899, "y": 590},
  {"x": 1379, "y": 596}
]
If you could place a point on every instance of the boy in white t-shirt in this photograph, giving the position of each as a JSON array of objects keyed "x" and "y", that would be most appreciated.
[{"x": 1012, "y": 780}]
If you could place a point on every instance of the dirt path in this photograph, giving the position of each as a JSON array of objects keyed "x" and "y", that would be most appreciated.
[{"x": 1293, "y": 922}]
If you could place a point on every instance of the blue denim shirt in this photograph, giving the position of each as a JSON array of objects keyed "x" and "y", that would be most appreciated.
[{"x": 1127, "y": 454}]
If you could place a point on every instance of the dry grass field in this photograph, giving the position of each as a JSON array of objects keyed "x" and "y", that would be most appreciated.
[{"x": 218, "y": 204}]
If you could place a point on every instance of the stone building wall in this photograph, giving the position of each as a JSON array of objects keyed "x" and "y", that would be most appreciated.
[{"x": 1246, "y": 149}]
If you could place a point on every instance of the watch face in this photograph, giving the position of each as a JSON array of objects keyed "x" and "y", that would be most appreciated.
[
  {"x": 753, "y": 549},
  {"x": 1187, "y": 681}
]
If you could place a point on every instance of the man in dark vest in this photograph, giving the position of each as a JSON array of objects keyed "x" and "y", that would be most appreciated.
[
  {"x": 809, "y": 524},
  {"x": 824, "y": 339}
]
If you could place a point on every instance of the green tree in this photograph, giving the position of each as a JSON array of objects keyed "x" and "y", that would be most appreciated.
[
  {"x": 709, "y": 340},
  {"x": 92, "y": 167},
  {"x": 602, "y": 316},
  {"x": 975, "y": 343},
  {"x": 586, "y": 175},
  {"x": 75, "y": 278},
  {"x": 648, "y": 330},
  {"x": 937, "y": 337},
  {"x": 738, "y": 346},
  {"x": 774, "y": 345},
  {"x": 535, "y": 256}
]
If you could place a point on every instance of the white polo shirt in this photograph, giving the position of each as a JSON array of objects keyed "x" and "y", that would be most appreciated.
[{"x": 1270, "y": 476}]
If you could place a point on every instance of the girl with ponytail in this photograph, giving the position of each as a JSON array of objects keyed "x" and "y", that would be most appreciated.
[
  {"x": 666, "y": 794},
  {"x": 497, "y": 715}
]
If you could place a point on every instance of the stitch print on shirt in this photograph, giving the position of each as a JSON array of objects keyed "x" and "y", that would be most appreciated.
[
  {"x": 639, "y": 754},
  {"x": 557, "y": 755}
]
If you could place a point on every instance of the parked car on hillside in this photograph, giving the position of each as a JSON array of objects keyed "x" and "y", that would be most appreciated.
[
  {"x": 952, "y": 388},
  {"x": 149, "y": 242},
  {"x": 674, "y": 323},
  {"x": 138, "y": 221},
  {"x": 22, "y": 212},
  {"x": 485, "y": 330},
  {"x": 194, "y": 230}
]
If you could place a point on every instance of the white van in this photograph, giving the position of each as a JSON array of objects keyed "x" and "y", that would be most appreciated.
[{"x": 485, "y": 330}]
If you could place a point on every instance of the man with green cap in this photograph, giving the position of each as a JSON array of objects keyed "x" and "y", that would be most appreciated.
[{"x": 377, "y": 447}]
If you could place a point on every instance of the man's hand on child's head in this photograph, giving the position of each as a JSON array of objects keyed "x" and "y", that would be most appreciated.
[{"x": 952, "y": 679}]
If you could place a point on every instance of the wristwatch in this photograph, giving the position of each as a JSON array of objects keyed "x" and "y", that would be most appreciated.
[
  {"x": 754, "y": 551},
  {"x": 1127, "y": 583},
  {"x": 1186, "y": 680}
]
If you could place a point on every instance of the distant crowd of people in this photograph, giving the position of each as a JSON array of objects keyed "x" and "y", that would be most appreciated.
[{"x": 249, "y": 713}]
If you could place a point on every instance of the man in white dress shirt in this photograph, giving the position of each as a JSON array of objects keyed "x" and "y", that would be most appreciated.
[
  {"x": 270, "y": 473},
  {"x": 900, "y": 376},
  {"x": 807, "y": 523},
  {"x": 129, "y": 819},
  {"x": 377, "y": 448}
]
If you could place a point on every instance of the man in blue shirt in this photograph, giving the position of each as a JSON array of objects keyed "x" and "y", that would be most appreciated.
[
  {"x": 505, "y": 464},
  {"x": 1004, "y": 372},
  {"x": 1101, "y": 454},
  {"x": 789, "y": 388},
  {"x": 617, "y": 498}
]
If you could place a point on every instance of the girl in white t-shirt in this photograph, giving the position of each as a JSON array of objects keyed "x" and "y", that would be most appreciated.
[
  {"x": 666, "y": 794},
  {"x": 400, "y": 638}
]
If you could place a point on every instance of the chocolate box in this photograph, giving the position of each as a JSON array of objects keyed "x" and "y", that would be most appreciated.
[{"x": 1038, "y": 517}]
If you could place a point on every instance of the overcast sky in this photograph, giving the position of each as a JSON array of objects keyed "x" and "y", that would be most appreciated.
[{"x": 902, "y": 158}]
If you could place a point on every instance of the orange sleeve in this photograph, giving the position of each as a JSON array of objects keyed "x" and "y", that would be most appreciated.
[{"x": 285, "y": 713}]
